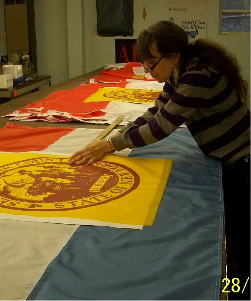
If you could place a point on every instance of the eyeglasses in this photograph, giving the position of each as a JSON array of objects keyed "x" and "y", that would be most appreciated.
[{"x": 150, "y": 69}]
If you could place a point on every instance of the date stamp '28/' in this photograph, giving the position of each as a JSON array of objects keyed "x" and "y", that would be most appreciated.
[{"x": 234, "y": 285}]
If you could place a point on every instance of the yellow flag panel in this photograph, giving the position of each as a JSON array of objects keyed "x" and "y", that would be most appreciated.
[
  {"x": 124, "y": 94},
  {"x": 116, "y": 190}
]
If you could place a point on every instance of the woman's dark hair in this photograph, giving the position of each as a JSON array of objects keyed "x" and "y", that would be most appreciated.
[{"x": 170, "y": 38}]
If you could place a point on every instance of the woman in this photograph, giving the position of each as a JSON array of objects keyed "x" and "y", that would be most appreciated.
[{"x": 203, "y": 88}]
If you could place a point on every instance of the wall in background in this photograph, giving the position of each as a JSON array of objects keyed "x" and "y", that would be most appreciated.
[
  {"x": 101, "y": 50},
  {"x": 59, "y": 34},
  {"x": 68, "y": 44},
  {"x": 52, "y": 39},
  {"x": 238, "y": 44}
]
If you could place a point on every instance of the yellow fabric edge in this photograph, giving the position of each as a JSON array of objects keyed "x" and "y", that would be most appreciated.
[{"x": 153, "y": 210}]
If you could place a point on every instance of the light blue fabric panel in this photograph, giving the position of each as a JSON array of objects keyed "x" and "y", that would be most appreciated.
[{"x": 180, "y": 257}]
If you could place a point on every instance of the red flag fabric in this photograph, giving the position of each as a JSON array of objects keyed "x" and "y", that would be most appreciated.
[
  {"x": 65, "y": 105},
  {"x": 70, "y": 105},
  {"x": 19, "y": 138}
]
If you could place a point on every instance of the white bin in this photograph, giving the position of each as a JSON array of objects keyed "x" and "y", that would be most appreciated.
[
  {"x": 15, "y": 70},
  {"x": 6, "y": 81}
]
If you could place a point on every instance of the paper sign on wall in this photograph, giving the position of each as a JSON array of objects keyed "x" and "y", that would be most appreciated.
[{"x": 190, "y": 15}]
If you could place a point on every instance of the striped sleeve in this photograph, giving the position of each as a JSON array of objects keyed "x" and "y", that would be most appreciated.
[{"x": 172, "y": 108}]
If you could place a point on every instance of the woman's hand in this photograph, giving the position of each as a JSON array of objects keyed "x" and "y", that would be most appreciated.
[{"x": 91, "y": 153}]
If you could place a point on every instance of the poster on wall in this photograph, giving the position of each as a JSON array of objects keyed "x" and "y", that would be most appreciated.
[
  {"x": 125, "y": 50},
  {"x": 190, "y": 15}
]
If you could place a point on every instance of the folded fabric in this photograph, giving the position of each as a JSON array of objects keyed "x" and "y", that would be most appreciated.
[
  {"x": 128, "y": 72},
  {"x": 64, "y": 106},
  {"x": 72, "y": 105}
]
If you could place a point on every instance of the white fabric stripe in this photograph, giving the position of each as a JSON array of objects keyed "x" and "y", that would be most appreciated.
[
  {"x": 76, "y": 140},
  {"x": 142, "y": 84},
  {"x": 26, "y": 249},
  {"x": 59, "y": 220},
  {"x": 131, "y": 111}
]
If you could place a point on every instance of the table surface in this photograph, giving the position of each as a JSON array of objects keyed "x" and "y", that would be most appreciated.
[{"x": 26, "y": 87}]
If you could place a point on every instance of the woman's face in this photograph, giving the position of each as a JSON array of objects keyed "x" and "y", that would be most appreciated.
[{"x": 164, "y": 69}]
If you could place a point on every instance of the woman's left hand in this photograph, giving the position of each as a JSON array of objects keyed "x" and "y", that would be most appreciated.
[{"x": 90, "y": 154}]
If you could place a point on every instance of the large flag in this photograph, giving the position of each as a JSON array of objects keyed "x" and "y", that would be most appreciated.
[{"x": 40, "y": 261}]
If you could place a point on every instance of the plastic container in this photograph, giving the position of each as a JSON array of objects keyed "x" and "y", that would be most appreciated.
[
  {"x": 6, "y": 81},
  {"x": 15, "y": 70}
]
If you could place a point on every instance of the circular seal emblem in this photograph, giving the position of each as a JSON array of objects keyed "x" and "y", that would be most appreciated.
[{"x": 51, "y": 184}]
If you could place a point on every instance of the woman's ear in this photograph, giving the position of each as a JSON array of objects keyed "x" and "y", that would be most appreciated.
[{"x": 175, "y": 57}]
